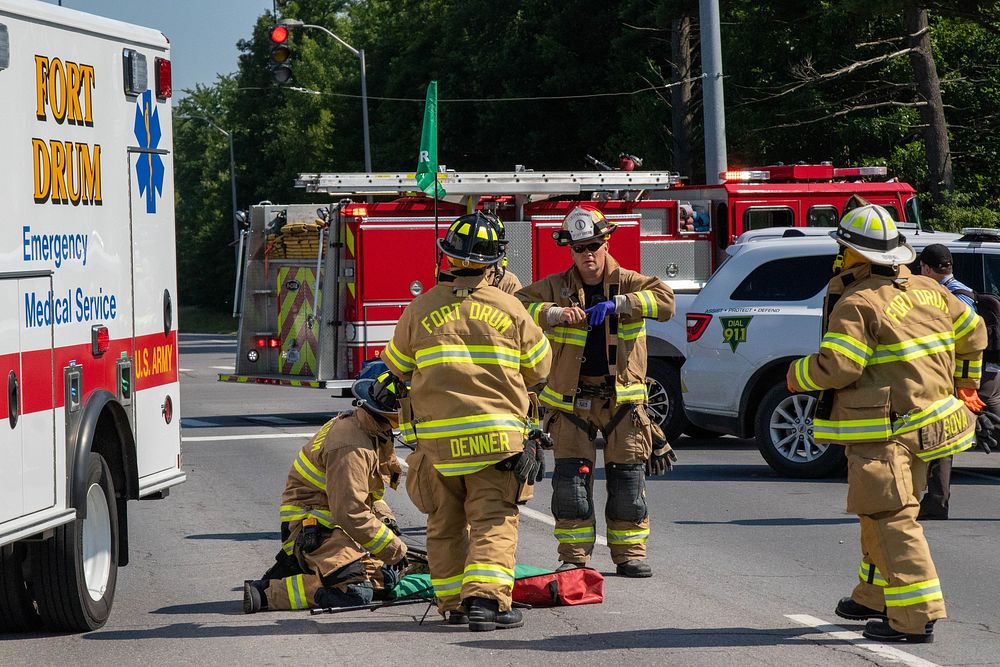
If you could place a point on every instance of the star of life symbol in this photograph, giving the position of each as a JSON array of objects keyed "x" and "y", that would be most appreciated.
[{"x": 149, "y": 168}]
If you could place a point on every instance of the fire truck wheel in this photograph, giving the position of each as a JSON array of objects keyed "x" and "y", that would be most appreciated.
[
  {"x": 666, "y": 408},
  {"x": 784, "y": 436},
  {"x": 17, "y": 611},
  {"x": 75, "y": 572}
]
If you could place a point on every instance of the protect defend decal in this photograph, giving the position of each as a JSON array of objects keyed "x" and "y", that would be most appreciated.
[
  {"x": 734, "y": 330},
  {"x": 149, "y": 167}
]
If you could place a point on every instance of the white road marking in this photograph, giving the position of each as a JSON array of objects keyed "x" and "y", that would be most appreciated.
[
  {"x": 184, "y": 370},
  {"x": 249, "y": 436},
  {"x": 224, "y": 368},
  {"x": 535, "y": 514},
  {"x": 855, "y": 638}
]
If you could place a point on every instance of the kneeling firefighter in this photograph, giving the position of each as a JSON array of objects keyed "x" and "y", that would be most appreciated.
[
  {"x": 895, "y": 398},
  {"x": 471, "y": 352},
  {"x": 593, "y": 314},
  {"x": 338, "y": 549}
]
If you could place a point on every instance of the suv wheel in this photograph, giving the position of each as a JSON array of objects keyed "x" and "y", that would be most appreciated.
[
  {"x": 666, "y": 407},
  {"x": 784, "y": 436}
]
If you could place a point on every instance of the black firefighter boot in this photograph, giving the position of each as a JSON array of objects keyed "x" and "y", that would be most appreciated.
[
  {"x": 881, "y": 631},
  {"x": 485, "y": 615},
  {"x": 634, "y": 569},
  {"x": 458, "y": 617},
  {"x": 854, "y": 611},
  {"x": 254, "y": 596}
]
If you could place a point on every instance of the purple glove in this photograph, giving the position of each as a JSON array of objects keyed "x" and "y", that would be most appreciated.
[{"x": 599, "y": 311}]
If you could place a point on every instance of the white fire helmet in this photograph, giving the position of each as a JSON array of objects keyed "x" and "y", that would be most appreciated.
[
  {"x": 582, "y": 224},
  {"x": 872, "y": 233}
]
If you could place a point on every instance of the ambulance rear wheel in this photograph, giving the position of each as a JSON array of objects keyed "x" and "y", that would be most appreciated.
[
  {"x": 784, "y": 431},
  {"x": 75, "y": 572},
  {"x": 17, "y": 611},
  {"x": 666, "y": 407}
]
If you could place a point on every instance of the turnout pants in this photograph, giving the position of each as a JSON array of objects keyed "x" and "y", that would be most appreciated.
[
  {"x": 625, "y": 452},
  {"x": 471, "y": 534},
  {"x": 337, "y": 567},
  {"x": 884, "y": 482}
]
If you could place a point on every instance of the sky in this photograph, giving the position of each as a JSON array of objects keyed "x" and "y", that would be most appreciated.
[{"x": 202, "y": 33}]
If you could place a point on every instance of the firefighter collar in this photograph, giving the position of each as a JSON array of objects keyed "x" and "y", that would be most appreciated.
[
  {"x": 574, "y": 282},
  {"x": 463, "y": 286}
]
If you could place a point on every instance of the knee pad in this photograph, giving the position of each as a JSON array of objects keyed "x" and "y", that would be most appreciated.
[
  {"x": 571, "y": 495},
  {"x": 626, "y": 492},
  {"x": 354, "y": 595},
  {"x": 352, "y": 572}
]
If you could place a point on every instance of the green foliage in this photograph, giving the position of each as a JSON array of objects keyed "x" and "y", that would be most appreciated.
[
  {"x": 543, "y": 82},
  {"x": 959, "y": 211}
]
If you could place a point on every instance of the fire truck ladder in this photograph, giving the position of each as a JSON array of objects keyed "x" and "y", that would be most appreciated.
[{"x": 529, "y": 183}]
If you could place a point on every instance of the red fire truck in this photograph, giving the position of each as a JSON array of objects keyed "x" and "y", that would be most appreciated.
[{"x": 319, "y": 292}]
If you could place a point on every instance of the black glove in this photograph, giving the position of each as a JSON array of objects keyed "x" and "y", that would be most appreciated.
[
  {"x": 543, "y": 439},
  {"x": 661, "y": 461},
  {"x": 392, "y": 573},
  {"x": 530, "y": 466},
  {"x": 392, "y": 525},
  {"x": 987, "y": 431}
]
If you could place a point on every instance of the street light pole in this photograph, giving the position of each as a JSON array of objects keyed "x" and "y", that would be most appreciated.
[
  {"x": 360, "y": 55},
  {"x": 232, "y": 175}
]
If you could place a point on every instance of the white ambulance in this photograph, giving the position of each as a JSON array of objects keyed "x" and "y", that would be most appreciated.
[{"x": 88, "y": 300}]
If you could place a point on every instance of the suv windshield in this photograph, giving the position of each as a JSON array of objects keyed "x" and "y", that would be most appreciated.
[{"x": 786, "y": 279}]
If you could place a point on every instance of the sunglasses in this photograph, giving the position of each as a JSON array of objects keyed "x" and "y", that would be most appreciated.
[{"x": 581, "y": 248}]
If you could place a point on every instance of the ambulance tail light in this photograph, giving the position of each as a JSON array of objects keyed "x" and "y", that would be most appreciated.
[
  {"x": 745, "y": 175},
  {"x": 848, "y": 172},
  {"x": 164, "y": 78},
  {"x": 696, "y": 325},
  {"x": 100, "y": 339}
]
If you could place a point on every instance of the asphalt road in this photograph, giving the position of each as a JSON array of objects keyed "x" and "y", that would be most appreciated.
[{"x": 747, "y": 565}]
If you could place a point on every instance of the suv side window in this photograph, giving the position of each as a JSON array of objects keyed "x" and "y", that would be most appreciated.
[
  {"x": 787, "y": 279},
  {"x": 761, "y": 217}
]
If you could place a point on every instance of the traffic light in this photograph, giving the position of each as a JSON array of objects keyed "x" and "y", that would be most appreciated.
[{"x": 281, "y": 55}]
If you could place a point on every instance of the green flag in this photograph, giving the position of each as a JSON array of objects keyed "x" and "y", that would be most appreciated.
[{"x": 427, "y": 160}]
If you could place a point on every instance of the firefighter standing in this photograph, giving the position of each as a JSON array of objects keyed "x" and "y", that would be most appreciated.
[
  {"x": 470, "y": 352},
  {"x": 888, "y": 353},
  {"x": 598, "y": 383},
  {"x": 339, "y": 552}
]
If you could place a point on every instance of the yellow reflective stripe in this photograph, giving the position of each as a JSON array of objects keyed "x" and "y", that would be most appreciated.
[
  {"x": 969, "y": 369},
  {"x": 288, "y": 547},
  {"x": 296, "y": 592},
  {"x": 965, "y": 323},
  {"x": 447, "y": 586},
  {"x": 934, "y": 412},
  {"x": 567, "y": 336},
  {"x": 535, "y": 310},
  {"x": 949, "y": 449},
  {"x": 378, "y": 494},
  {"x": 310, "y": 472},
  {"x": 631, "y": 392},
  {"x": 468, "y": 354},
  {"x": 869, "y": 570},
  {"x": 296, "y": 513},
  {"x": 850, "y": 347},
  {"x": 632, "y": 536},
  {"x": 647, "y": 303},
  {"x": 913, "y": 348},
  {"x": 400, "y": 360},
  {"x": 550, "y": 397},
  {"x": 905, "y": 596},
  {"x": 407, "y": 433},
  {"x": 488, "y": 573},
  {"x": 584, "y": 535},
  {"x": 382, "y": 538},
  {"x": 802, "y": 375},
  {"x": 848, "y": 430},
  {"x": 531, "y": 358},
  {"x": 466, "y": 468},
  {"x": 472, "y": 424},
  {"x": 631, "y": 330}
]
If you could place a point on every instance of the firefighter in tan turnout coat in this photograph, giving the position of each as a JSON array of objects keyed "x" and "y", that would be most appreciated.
[
  {"x": 339, "y": 550},
  {"x": 470, "y": 351},
  {"x": 899, "y": 400},
  {"x": 593, "y": 314}
]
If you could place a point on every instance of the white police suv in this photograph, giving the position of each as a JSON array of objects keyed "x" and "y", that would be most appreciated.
[{"x": 762, "y": 309}]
